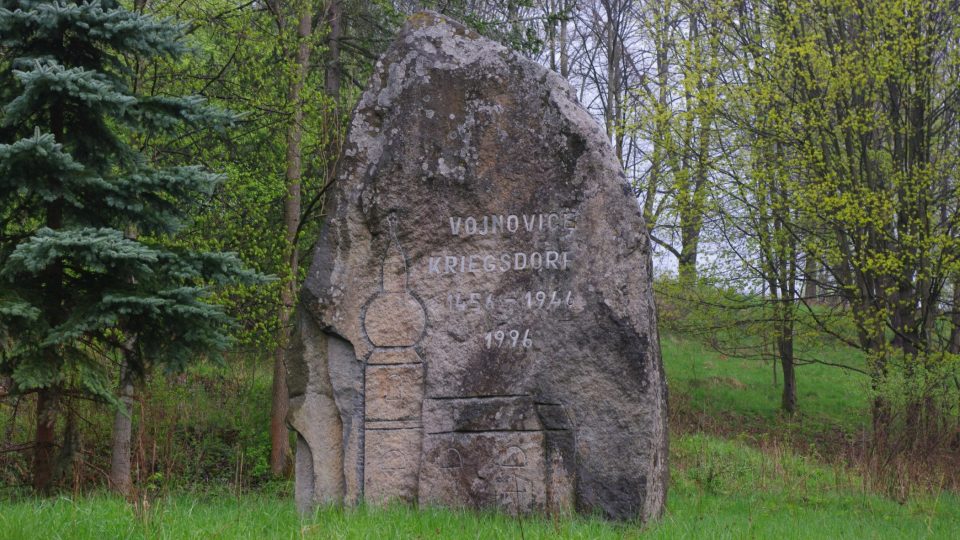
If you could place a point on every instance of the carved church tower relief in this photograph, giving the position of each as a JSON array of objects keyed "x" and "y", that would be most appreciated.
[{"x": 394, "y": 322}]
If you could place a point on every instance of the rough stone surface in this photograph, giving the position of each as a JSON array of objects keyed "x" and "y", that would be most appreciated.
[{"x": 477, "y": 327}]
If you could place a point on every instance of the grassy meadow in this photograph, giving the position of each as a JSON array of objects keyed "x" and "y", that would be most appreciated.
[
  {"x": 720, "y": 489},
  {"x": 739, "y": 469}
]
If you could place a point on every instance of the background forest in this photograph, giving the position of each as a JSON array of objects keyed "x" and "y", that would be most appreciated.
[{"x": 163, "y": 167}]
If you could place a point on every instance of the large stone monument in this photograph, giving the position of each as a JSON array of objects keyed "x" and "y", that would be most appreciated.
[{"x": 477, "y": 327}]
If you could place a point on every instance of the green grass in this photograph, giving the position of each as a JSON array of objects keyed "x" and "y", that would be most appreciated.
[
  {"x": 736, "y": 472},
  {"x": 740, "y": 392},
  {"x": 720, "y": 489}
]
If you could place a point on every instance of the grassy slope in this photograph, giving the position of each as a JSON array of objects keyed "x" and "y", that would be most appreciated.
[
  {"x": 721, "y": 487},
  {"x": 721, "y": 387}
]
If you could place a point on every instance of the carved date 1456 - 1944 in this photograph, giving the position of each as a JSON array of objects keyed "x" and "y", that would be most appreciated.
[{"x": 529, "y": 300}]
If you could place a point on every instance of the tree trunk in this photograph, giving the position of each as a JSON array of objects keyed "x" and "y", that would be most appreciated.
[
  {"x": 332, "y": 76},
  {"x": 66, "y": 465},
  {"x": 612, "y": 110},
  {"x": 954, "y": 346},
  {"x": 44, "y": 440},
  {"x": 48, "y": 397},
  {"x": 810, "y": 290},
  {"x": 279, "y": 436},
  {"x": 690, "y": 193},
  {"x": 660, "y": 134},
  {"x": 785, "y": 349},
  {"x": 552, "y": 33},
  {"x": 881, "y": 412},
  {"x": 120, "y": 479},
  {"x": 564, "y": 58},
  {"x": 689, "y": 244}
]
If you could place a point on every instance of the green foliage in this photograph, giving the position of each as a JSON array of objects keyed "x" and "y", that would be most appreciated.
[
  {"x": 854, "y": 166},
  {"x": 207, "y": 445},
  {"x": 88, "y": 266},
  {"x": 98, "y": 23},
  {"x": 250, "y": 56},
  {"x": 187, "y": 433}
]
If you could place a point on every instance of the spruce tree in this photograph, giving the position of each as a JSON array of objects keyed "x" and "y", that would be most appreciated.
[{"x": 90, "y": 272}]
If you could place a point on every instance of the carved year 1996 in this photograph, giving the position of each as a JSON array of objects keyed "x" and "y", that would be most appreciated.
[{"x": 508, "y": 339}]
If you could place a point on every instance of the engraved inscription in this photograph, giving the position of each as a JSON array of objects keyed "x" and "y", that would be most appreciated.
[
  {"x": 530, "y": 300},
  {"x": 537, "y": 259},
  {"x": 499, "y": 262},
  {"x": 508, "y": 339},
  {"x": 512, "y": 223},
  {"x": 505, "y": 224}
]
